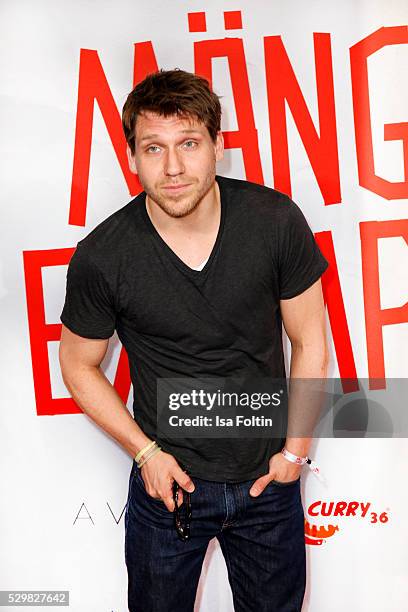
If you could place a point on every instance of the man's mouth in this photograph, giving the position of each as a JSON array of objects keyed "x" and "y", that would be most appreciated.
[{"x": 176, "y": 188}]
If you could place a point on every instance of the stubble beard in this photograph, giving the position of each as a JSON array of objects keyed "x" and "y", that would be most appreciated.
[{"x": 177, "y": 207}]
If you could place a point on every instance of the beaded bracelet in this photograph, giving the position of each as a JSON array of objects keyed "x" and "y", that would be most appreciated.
[
  {"x": 149, "y": 455},
  {"x": 146, "y": 448}
]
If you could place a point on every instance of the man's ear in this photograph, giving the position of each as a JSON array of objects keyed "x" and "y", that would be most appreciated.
[
  {"x": 219, "y": 147},
  {"x": 131, "y": 160}
]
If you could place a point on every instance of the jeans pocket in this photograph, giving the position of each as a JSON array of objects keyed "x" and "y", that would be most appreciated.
[{"x": 278, "y": 483}]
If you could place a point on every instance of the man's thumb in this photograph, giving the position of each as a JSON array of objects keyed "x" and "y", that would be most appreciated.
[{"x": 259, "y": 485}]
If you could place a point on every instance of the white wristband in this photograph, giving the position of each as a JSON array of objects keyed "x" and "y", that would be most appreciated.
[
  {"x": 301, "y": 461},
  {"x": 294, "y": 458}
]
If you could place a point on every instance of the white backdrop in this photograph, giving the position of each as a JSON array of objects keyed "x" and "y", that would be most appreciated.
[{"x": 63, "y": 481}]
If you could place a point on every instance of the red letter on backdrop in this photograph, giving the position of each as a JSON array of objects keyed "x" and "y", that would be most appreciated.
[
  {"x": 282, "y": 86},
  {"x": 246, "y": 137},
  {"x": 41, "y": 333},
  {"x": 362, "y": 119},
  {"x": 333, "y": 297},
  {"x": 144, "y": 61},
  {"x": 93, "y": 85},
  {"x": 375, "y": 316}
]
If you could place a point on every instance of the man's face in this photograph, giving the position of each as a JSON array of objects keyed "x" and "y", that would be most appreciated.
[{"x": 175, "y": 159}]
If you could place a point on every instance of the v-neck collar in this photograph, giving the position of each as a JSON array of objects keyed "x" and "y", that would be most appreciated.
[{"x": 171, "y": 254}]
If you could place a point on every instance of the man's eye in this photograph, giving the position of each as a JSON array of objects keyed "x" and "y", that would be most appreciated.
[
  {"x": 153, "y": 149},
  {"x": 190, "y": 144}
]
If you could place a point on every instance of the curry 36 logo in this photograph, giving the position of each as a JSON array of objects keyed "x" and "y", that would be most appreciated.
[{"x": 317, "y": 534}]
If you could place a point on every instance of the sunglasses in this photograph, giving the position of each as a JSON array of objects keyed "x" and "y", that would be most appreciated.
[{"x": 182, "y": 513}]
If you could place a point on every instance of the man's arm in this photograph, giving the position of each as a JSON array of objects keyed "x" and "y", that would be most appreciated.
[
  {"x": 304, "y": 320},
  {"x": 80, "y": 360}
]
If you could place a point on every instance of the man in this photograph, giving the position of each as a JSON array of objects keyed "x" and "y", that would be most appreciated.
[{"x": 196, "y": 274}]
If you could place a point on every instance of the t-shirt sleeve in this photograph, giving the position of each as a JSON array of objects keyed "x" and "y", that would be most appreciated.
[
  {"x": 89, "y": 306},
  {"x": 301, "y": 262}
]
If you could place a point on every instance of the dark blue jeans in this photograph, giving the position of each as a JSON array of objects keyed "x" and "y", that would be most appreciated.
[{"x": 261, "y": 538}]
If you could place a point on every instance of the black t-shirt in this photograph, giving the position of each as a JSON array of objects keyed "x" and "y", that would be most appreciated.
[{"x": 174, "y": 321}]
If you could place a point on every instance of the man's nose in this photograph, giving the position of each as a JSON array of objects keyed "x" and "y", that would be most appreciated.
[{"x": 174, "y": 163}]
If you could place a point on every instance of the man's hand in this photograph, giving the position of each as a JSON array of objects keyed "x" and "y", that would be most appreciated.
[
  {"x": 279, "y": 469},
  {"x": 158, "y": 474}
]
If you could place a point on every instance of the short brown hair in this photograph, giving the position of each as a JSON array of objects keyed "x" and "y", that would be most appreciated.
[{"x": 172, "y": 92}]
